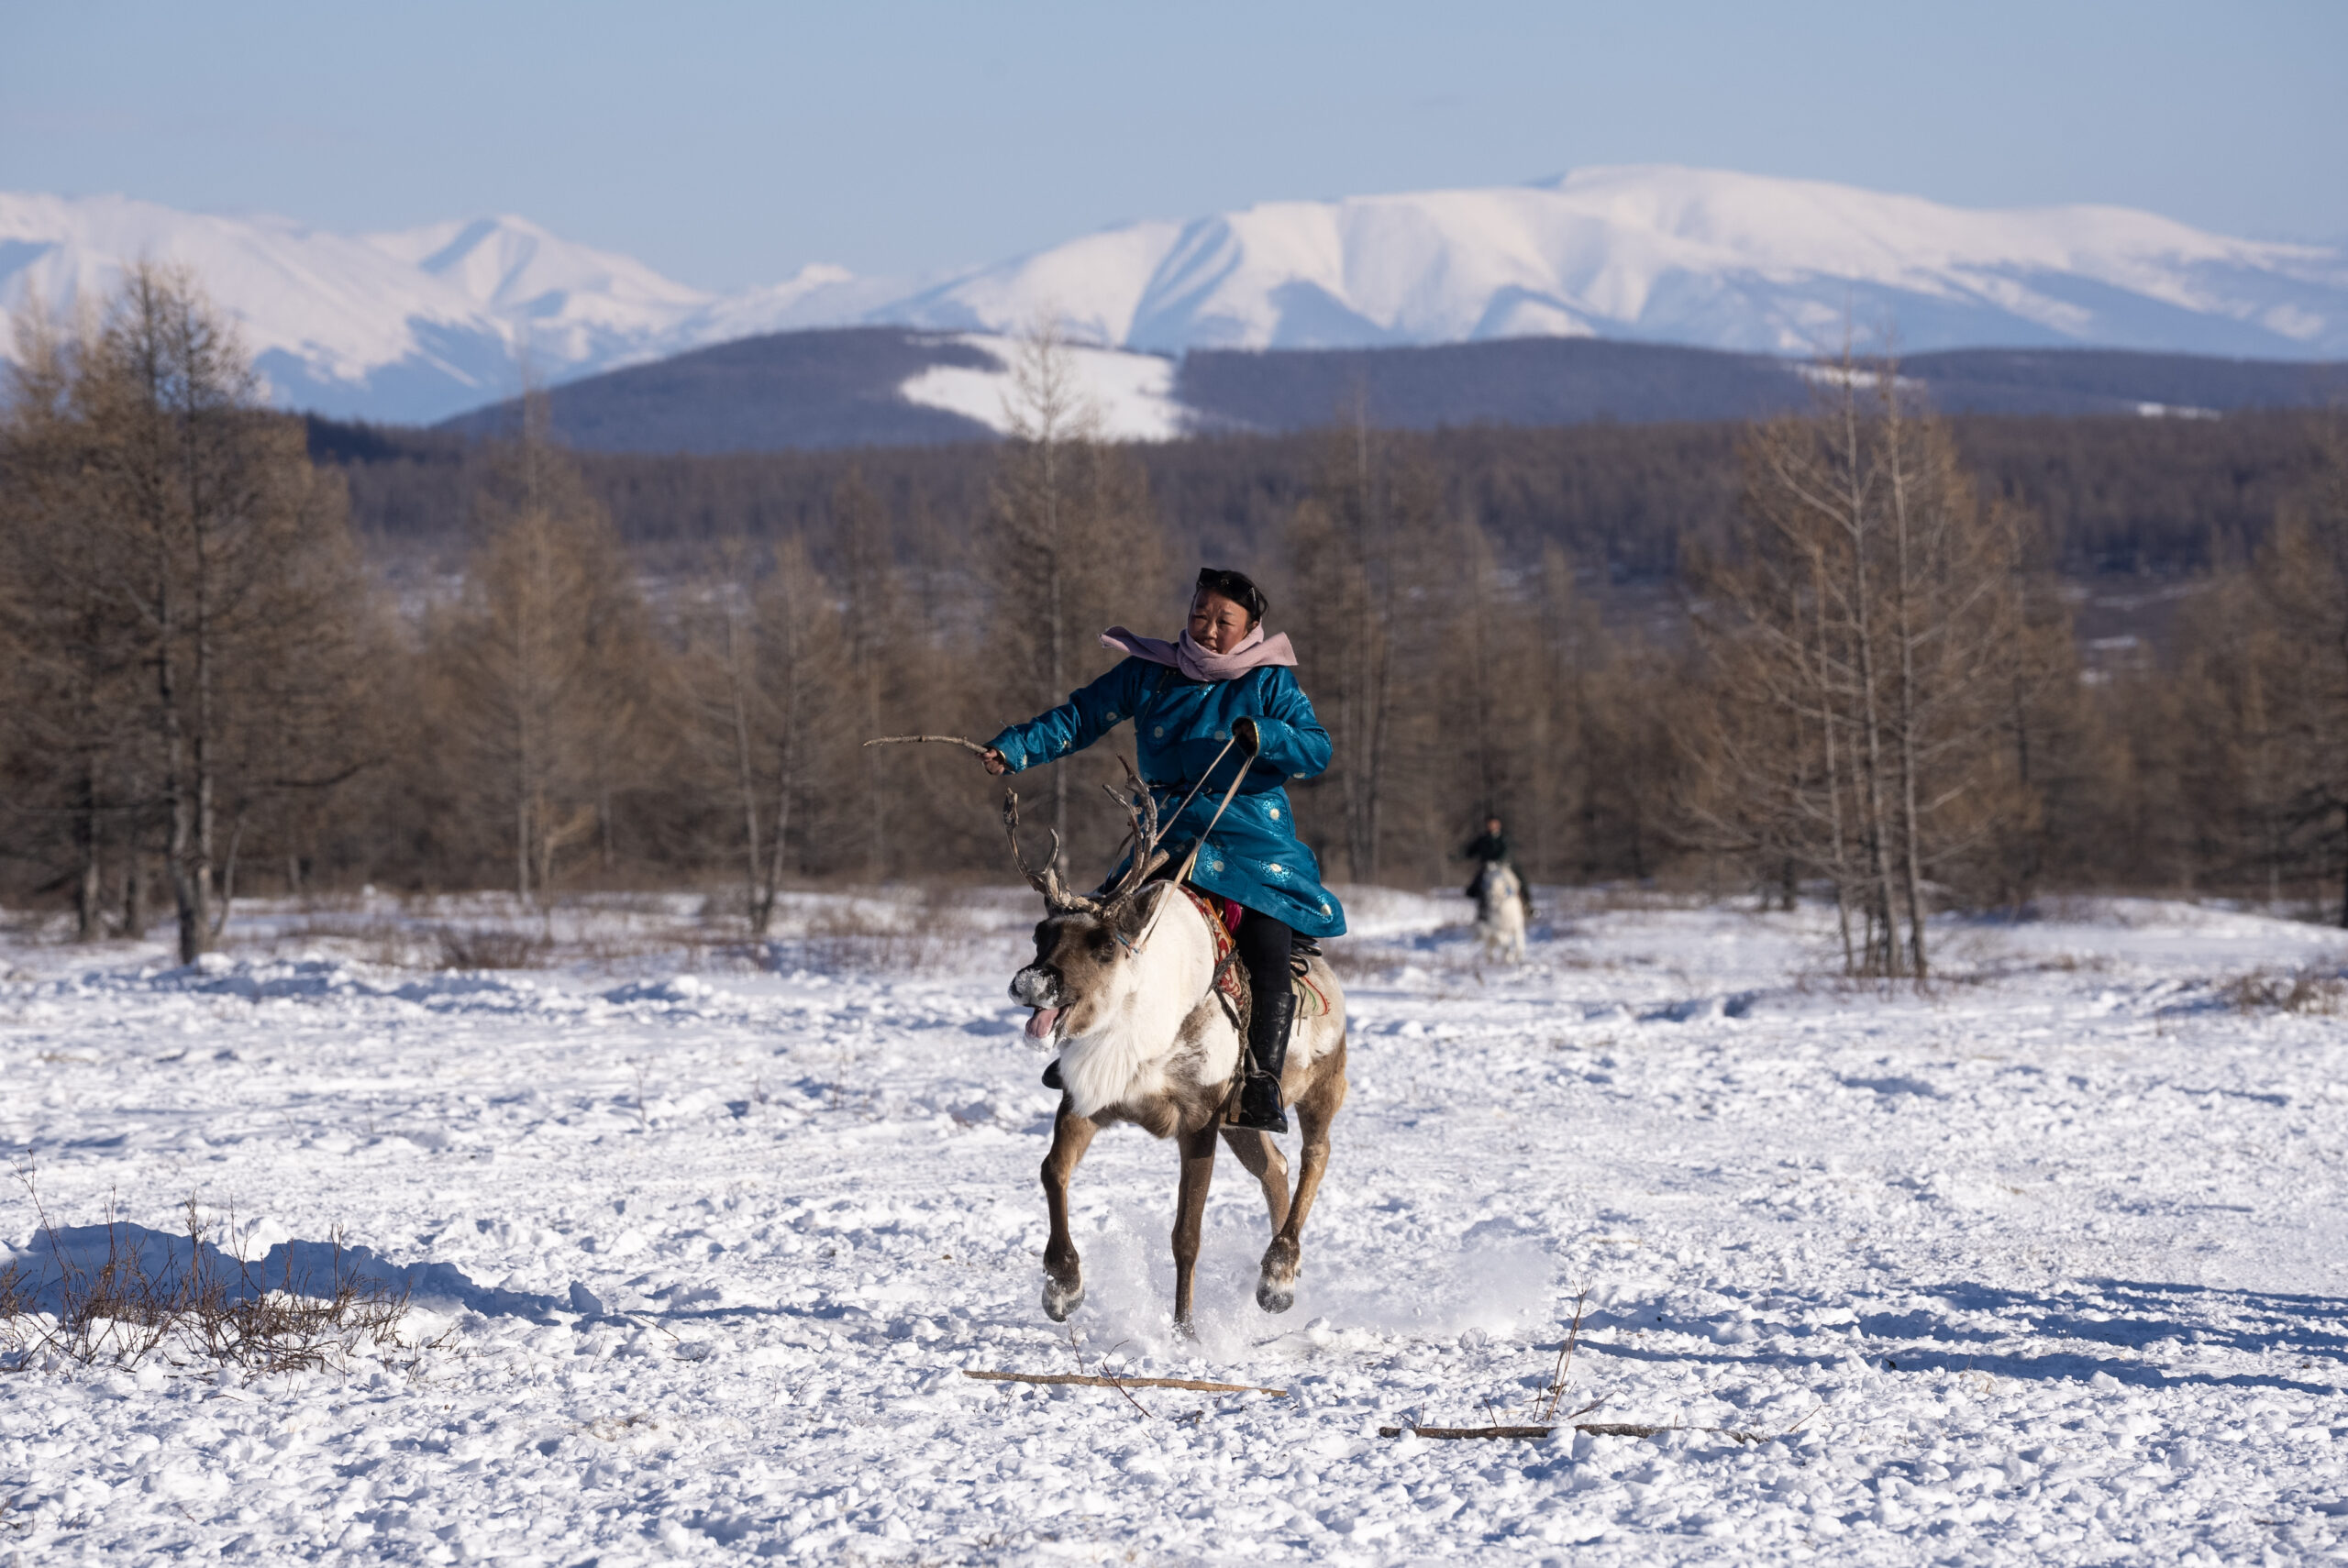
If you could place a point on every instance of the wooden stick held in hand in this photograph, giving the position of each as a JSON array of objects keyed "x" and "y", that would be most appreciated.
[{"x": 963, "y": 741}]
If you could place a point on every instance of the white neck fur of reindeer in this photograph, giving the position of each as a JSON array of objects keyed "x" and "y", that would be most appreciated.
[{"x": 1134, "y": 1043}]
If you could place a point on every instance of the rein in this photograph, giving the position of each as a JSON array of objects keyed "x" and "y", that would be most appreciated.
[
  {"x": 1228, "y": 796},
  {"x": 1191, "y": 859},
  {"x": 1202, "y": 781}
]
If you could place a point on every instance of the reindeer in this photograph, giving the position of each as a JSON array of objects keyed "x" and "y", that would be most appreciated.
[
  {"x": 1500, "y": 913},
  {"x": 1123, "y": 983}
]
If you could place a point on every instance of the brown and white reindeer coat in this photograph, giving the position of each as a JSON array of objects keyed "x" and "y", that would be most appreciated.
[{"x": 1125, "y": 986}]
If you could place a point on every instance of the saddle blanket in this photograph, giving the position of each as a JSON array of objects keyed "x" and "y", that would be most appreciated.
[
  {"x": 1311, "y": 1001},
  {"x": 1230, "y": 978}
]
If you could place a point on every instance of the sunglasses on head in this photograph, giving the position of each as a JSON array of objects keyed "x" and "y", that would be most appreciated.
[{"x": 1234, "y": 587}]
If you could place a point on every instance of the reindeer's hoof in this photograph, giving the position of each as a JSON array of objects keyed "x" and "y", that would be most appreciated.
[
  {"x": 1276, "y": 1291},
  {"x": 1185, "y": 1330},
  {"x": 1059, "y": 1300}
]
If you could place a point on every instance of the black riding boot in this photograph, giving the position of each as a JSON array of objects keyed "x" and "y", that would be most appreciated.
[{"x": 1267, "y": 1031}]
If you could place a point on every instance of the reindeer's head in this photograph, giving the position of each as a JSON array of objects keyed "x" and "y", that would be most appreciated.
[
  {"x": 1086, "y": 947},
  {"x": 1085, "y": 969}
]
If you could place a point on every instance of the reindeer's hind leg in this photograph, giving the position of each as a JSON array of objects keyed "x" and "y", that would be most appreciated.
[
  {"x": 1266, "y": 1164},
  {"x": 1189, "y": 1217},
  {"x": 1063, "y": 1274},
  {"x": 1316, "y": 1108}
]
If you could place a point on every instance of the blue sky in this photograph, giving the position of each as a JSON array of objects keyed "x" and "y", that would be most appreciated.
[{"x": 726, "y": 145}]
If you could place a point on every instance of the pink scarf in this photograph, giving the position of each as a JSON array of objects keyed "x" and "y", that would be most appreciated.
[{"x": 1255, "y": 651}]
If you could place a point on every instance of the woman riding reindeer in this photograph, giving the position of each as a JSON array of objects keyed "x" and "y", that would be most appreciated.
[{"x": 1223, "y": 681}]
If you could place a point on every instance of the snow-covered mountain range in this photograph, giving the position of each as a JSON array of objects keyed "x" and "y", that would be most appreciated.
[
  {"x": 407, "y": 326},
  {"x": 423, "y": 323}
]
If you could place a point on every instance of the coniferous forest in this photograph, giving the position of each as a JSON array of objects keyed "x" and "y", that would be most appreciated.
[{"x": 1849, "y": 656}]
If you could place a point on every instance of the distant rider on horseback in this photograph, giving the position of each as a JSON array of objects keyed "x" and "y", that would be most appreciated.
[
  {"x": 1489, "y": 849},
  {"x": 1223, "y": 681}
]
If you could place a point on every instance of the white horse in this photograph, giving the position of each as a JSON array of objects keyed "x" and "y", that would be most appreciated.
[{"x": 1500, "y": 913}]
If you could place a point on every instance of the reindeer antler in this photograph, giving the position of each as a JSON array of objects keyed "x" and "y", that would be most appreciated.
[
  {"x": 1140, "y": 804},
  {"x": 1047, "y": 881},
  {"x": 1141, "y": 808}
]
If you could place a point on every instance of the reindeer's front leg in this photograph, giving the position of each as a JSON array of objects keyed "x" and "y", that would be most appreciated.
[
  {"x": 1063, "y": 1274},
  {"x": 1264, "y": 1161},
  {"x": 1189, "y": 1217}
]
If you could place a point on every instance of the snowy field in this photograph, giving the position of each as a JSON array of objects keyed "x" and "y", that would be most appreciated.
[{"x": 2047, "y": 1265}]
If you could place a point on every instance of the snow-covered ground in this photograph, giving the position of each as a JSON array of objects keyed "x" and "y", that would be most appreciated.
[{"x": 2047, "y": 1264}]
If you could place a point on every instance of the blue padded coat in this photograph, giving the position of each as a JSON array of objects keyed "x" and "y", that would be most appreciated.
[{"x": 1253, "y": 858}]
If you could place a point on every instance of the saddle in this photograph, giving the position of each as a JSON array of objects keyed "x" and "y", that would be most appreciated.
[
  {"x": 1231, "y": 984},
  {"x": 1232, "y": 987}
]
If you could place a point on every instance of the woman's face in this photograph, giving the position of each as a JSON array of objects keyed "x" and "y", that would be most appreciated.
[{"x": 1216, "y": 624}]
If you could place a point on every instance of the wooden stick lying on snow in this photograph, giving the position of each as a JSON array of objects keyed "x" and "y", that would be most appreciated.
[
  {"x": 1086, "y": 1380},
  {"x": 1595, "y": 1428}
]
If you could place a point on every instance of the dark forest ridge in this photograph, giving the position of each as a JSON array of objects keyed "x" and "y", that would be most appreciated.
[
  {"x": 2110, "y": 493},
  {"x": 888, "y": 386}
]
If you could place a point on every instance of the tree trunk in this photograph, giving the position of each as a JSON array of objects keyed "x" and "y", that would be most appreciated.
[
  {"x": 525, "y": 750},
  {"x": 1883, "y": 948},
  {"x": 604, "y": 820},
  {"x": 787, "y": 784},
  {"x": 196, "y": 925},
  {"x": 179, "y": 850},
  {"x": 2025, "y": 881},
  {"x": 760, "y": 904},
  {"x": 521, "y": 842},
  {"x": 89, "y": 917},
  {"x": 228, "y": 876},
  {"x": 1838, "y": 840},
  {"x": 1369, "y": 794},
  {"x": 769, "y": 895},
  {"x": 135, "y": 915},
  {"x": 1056, "y": 631},
  {"x": 1907, "y": 717}
]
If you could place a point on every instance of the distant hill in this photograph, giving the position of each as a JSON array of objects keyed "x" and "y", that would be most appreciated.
[
  {"x": 785, "y": 390},
  {"x": 1523, "y": 380},
  {"x": 2106, "y": 381},
  {"x": 1571, "y": 381},
  {"x": 887, "y": 386}
]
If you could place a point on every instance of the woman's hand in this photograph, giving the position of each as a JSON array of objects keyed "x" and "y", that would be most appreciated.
[
  {"x": 995, "y": 764},
  {"x": 1244, "y": 732}
]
